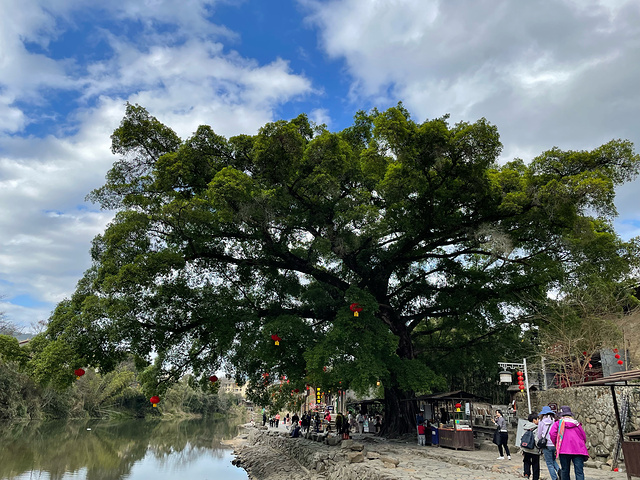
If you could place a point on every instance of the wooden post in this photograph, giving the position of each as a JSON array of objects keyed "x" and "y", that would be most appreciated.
[{"x": 617, "y": 410}]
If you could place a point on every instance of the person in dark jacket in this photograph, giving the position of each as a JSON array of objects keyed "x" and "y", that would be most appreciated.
[
  {"x": 547, "y": 419},
  {"x": 531, "y": 456},
  {"x": 339, "y": 420},
  {"x": 503, "y": 435}
]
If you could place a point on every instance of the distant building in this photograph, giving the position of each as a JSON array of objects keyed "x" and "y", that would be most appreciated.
[{"x": 228, "y": 385}]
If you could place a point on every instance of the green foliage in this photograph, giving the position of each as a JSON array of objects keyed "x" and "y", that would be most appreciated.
[
  {"x": 53, "y": 362},
  {"x": 219, "y": 244},
  {"x": 18, "y": 394},
  {"x": 10, "y": 350},
  {"x": 101, "y": 393},
  {"x": 117, "y": 393}
]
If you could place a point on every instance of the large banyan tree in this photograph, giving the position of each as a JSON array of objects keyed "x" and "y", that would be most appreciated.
[{"x": 217, "y": 244}]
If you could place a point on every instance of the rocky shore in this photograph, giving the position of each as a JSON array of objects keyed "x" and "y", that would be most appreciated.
[{"x": 270, "y": 454}]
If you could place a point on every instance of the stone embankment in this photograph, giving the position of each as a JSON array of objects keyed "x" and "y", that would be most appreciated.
[
  {"x": 274, "y": 455},
  {"x": 270, "y": 454},
  {"x": 593, "y": 407}
]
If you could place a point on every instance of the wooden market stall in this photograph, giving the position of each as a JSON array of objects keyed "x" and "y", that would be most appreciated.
[
  {"x": 452, "y": 418},
  {"x": 630, "y": 447}
]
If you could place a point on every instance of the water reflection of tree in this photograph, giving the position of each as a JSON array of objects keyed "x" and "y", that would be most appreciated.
[{"x": 109, "y": 450}]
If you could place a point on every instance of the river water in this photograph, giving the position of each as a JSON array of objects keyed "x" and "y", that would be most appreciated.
[{"x": 107, "y": 450}]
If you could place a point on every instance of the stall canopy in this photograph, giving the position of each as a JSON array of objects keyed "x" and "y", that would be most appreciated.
[
  {"x": 455, "y": 395},
  {"x": 448, "y": 399},
  {"x": 632, "y": 465},
  {"x": 365, "y": 405}
]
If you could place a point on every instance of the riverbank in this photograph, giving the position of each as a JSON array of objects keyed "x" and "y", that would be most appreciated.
[{"x": 270, "y": 454}]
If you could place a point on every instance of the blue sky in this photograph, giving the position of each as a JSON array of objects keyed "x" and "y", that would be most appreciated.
[{"x": 555, "y": 73}]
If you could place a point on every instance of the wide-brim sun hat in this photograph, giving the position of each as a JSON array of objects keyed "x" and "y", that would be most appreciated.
[
  {"x": 565, "y": 411},
  {"x": 546, "y": 410}
]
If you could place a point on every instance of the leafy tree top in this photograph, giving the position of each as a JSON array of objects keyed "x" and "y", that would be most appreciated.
[{"x": 219, "y": 243}]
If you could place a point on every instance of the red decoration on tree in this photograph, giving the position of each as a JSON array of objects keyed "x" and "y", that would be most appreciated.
[
  {"x": 584, "y": 353},
  {"x": 519, "y": 373},
  {"x": 296, "y": 390},
  {"x": 78, "y": 372},
  {"x": 620, "y": 362},
  {"x": 355, "y": 308},
  {"x": 213, "y": 379},
  {"x": 155, "y": 400},
  {"x": 615, "y": 350},
  {"x": 617, "y": 355},
  {"x": 276, "y": 339}
]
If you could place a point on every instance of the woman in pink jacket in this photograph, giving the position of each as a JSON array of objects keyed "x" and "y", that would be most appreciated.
[{"x": 570, "y": 440}]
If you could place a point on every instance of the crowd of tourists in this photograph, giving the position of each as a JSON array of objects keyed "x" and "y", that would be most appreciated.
[
  {"x": 557, "y": 437},
  {"x": 316, "y": 421}
]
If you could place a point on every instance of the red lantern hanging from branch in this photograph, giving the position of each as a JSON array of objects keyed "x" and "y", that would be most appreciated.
[
  {"x": 620, "y": 362},
  {"x": 213, "y": 379},
  {"x": 155, "y": 400},
  {"x": 355, "y": 308},
  {"x": 78, "y": 373},
  {"x": 458, "y": 407},
  {"x": 617, "y": 355},
  {"x": 615, "y": 350},
  {"x": 276, "y": 339}
]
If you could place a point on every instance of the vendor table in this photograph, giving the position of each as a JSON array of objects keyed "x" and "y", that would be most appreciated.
[{"x": 458, "y": 439}]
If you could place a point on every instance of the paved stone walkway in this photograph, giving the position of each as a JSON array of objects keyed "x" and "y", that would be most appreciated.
[
  {"x": 449, "y": 464},
  {"x": 439, "y": 463}
]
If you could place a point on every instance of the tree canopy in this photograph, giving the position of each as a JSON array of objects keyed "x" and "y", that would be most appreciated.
[{"x": 218, "y": 243}]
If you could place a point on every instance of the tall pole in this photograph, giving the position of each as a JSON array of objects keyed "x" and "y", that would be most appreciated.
[{"x": 526, "y": 383}]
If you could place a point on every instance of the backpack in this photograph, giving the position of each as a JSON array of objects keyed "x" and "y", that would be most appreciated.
[
  {"x": 528, "y": 440},
  {"x": 542, "y": 443}
]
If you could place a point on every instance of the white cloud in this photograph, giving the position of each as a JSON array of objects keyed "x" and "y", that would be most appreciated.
[
  {"x": 11, "y": 119},
  {"x": 185, "y": 78},
  {"x": 320, "y": 116},
  {"x": 487, "y": 58},
  {"x": 564, "y": 75},
  {"x": 192, "y": 15}
]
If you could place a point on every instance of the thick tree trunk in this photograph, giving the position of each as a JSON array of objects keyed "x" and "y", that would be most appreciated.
[{"x": 400, "y": 409}]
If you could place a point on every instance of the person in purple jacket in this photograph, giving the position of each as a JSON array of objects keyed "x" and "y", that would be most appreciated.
[{"x": 570, "y": 440}]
